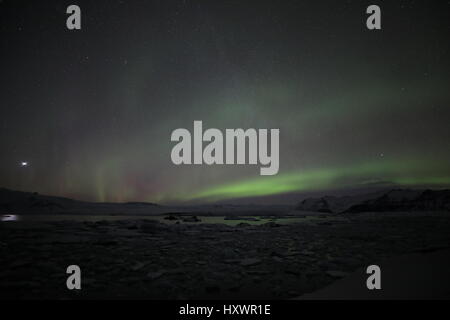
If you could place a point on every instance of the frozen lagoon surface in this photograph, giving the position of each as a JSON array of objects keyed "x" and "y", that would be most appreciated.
[
  {"x": 255, "y": 257},
  {"x": 177, "y": 219}
]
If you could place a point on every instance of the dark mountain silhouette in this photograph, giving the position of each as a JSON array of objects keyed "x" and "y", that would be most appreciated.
[
  {"x": 403, "y": 200},
  {"x": 393, "y": 200},
  {"x": 18, "y": 202}
]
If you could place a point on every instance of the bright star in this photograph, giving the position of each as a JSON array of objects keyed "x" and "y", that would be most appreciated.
[{"x": 24, "y": 164}]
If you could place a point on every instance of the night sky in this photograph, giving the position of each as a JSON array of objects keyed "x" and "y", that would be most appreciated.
[{"x": 91, "y": 111}]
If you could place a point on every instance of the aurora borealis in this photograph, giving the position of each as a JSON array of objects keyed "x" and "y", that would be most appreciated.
[
  {"x": 91, "y": 111},
  {"x": 402, "y": 173}
]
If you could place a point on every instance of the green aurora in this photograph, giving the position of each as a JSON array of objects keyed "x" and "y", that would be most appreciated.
[{"x": 399, "y": 173}]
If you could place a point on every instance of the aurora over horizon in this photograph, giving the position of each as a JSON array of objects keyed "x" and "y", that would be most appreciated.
[{"x": 91, "y": 114}]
